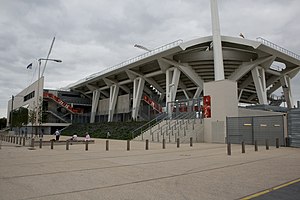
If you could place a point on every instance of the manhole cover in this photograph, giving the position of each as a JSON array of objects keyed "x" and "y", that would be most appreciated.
[{"x": 31, "y": 148}]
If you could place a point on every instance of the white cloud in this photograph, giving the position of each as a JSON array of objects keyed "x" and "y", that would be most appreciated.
[{"x": 96, "y": 34}]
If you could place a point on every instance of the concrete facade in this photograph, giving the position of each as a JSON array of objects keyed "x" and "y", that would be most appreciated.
[
  {"x": 36, "y": 91},
  {"x": 224, "y": 103}
]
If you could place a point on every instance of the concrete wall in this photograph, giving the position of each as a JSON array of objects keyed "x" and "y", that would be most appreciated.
[
  {"x": 123, "y": 105},
  {"x": 224, "y": 103},
  {"x": 38, "y": 87}
]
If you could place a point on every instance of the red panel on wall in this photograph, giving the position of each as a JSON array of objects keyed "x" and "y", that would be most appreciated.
[{"x": 206, "y": 107}]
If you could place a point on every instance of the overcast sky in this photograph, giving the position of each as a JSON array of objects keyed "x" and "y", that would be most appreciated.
[{"x": 96, "y": 34}]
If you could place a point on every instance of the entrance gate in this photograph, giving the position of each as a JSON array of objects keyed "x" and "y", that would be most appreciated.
[{"x": 260, "y": 128}]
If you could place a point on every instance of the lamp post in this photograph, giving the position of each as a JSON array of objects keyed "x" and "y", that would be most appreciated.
[
  {"x": 142, "y": 47},
  {"x": 11, "y": 112},
  {"x": 38, "y": 100}
]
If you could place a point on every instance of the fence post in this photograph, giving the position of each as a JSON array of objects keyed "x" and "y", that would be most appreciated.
[
  {"x": 164, "y": 143},
  {"x": 128, "y": 145},
  {"x": 41, "y": 143},
  {"x": 267, "y": 144},
  {"x": 147, "y": 144},
  {"x": 277, "y": 142},
  {"x": 67, "y": 145},
  {"x": 178, "y": 143},
  {"x": 191, "y": 141},
  {"x": 228, "y": 149},
  {"x": 87, "y": 145},
  {"x": 107, "y": 145},
  {"x": 20, "y": 140},
  {"x": 24, "y": 140},
  {"x": 243, "y": 147},
  {"x": 52, "y": 142},
  {"x": 17, "y": 139}
]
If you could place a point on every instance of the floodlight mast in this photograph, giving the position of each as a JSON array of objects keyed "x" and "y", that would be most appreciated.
[{"x": 217, "y": 43}]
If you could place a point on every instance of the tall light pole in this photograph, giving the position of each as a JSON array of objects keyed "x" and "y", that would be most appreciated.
[
  {"x": 11, "y": 112},
  {"x": 142, "y": 47},
  {"x": 38, "y": 100}
]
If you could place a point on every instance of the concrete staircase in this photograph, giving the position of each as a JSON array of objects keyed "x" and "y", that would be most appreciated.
[{"x": 172, "y": 129}]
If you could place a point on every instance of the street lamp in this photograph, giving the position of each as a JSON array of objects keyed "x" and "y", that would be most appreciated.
[
  {"x": 38, "y": 111},
  {"x": 142, "y": 47}
]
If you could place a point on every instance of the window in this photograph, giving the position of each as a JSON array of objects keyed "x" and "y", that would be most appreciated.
[{"x": 29, "y": 96}]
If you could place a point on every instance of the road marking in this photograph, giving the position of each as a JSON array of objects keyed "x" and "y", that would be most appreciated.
[{"x": 270, "y": 190}]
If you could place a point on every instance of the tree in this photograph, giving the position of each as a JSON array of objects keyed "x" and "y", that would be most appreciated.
[
  {"x": 3, "y": 122},
  {"x": 20, "y": 117}
]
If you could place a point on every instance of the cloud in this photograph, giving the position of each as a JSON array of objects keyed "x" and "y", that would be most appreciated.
[{"x": 96, "y": 34}]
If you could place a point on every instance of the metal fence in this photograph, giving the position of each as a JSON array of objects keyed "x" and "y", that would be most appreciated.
[
  {"x": 294, "y": 127},
  {"x": 259, "y": 128}
]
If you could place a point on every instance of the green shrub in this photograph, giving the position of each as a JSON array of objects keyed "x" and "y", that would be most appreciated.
[{"x": 118, "y": 130}]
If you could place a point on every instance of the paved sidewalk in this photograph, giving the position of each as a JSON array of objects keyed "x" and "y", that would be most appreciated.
[{"x": 203, "y": 171}]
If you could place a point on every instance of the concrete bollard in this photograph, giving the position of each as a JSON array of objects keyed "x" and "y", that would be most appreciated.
[
  {"x": 128, "y": 145},
  {"x": 87, "y": 145},
  {"x": 228, "y": 149},
  {"x": 67, "y": 144},
  {"x": 277, "y": 142},
  {"x": 41, "y": 143},
  {"x": 164, "y": 143},
  {"x": 243, "y": 147},
  {"x": 32, "y": 143},
  {"x": 52, "y": 144},
  {"x": 24, "y": 140},
  {"x": 178, "y": 143},
  {"x": 267, "y": 144},
  {"x": 14, "y": 139},
  {"x": 107, "y": 145},
  {"x": 147, "y": 145},
  {"x": 191, "y": 141},
  {"x": 255, "y": 146},
  {"x": 20, "y": 141}
]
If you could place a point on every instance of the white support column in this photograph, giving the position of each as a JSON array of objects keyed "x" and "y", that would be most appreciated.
[
  {"x": 217, "y": 45},
  {"x": 172, "y": 80},
  {"x": 198, "y": 92},
  {"x": 286, "y": 87},
  {"x": 95, "y": 102},
  {"x": 258, "y": 75},
  {"x": 114, "y": 91},
  {"x": 138, "y": 87}
]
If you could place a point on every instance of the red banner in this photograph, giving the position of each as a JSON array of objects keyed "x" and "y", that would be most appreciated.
[
  {"x": 152, "y": 103},
  {"x": 61, "y": 102},
  {"x": 206, "y": 107}
]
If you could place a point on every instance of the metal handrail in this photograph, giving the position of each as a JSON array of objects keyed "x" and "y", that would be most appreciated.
[
  {"x": 277, "y": 47},
  {"x": 129, "y": 61},
  {"x": 148, "y": 124}
]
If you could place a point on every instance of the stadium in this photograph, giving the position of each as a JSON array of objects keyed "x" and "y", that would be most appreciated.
[{"x": 183, "y": 89}]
